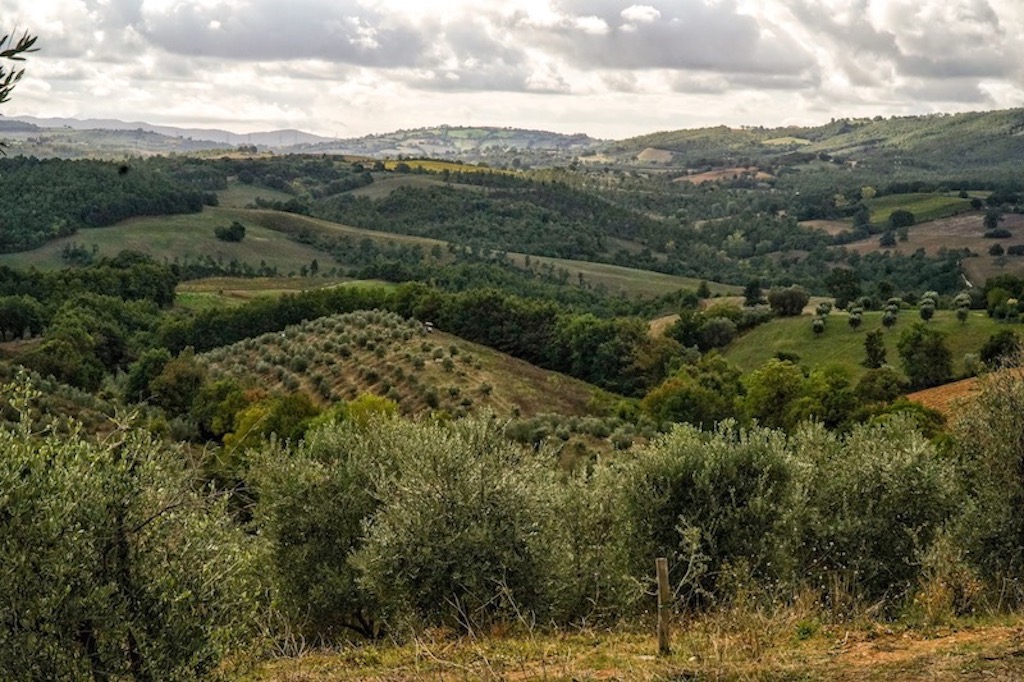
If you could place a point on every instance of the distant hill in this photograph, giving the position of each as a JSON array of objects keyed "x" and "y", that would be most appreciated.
[
  {"x": 939, "y": 141},
  {"x": 467, "y": 143},
  {"x": 272, "y": 138}
]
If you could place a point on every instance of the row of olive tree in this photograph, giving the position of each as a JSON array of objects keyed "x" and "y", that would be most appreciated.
[{"x": 389, "y": 524}]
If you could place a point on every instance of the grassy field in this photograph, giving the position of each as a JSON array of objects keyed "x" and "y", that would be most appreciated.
[
  {"x": 240, "y": 195},
  {"x": 730, "y": 647},
  {"x": 924, "y": 206},
  {"x": 181, "y": 236},
  {"x": 840, "y": 345},
  {"x": 619, "y": 279},
  {"x": 216, "y": 292}
]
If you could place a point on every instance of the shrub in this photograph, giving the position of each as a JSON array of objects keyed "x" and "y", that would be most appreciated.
[
  {"x": 466, "y": 531},
  {"x": 875, "y": 500},
  {"x": 788, "y": 301},
  {"x": 706, "y": 501},
  {"x": 116, "y": 564}
]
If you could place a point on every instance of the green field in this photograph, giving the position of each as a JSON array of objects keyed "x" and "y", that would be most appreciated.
[
  {"x": 924, "y": 206},
  {"x": 840, "y": 345},
  {"x": 619, "y": 279},
  {"x": 181, "y": 236},
  {"x": 240, "y": 195},
  {"x": 217, "y": 292}
]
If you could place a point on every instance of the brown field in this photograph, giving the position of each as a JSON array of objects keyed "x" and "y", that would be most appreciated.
[
  {"x": 947, "y": 397},
  {"x": 722, "y": 174},
  {"x": 830, "y": 227},
  {"x": 960, "y": 232},
  {"x": 652, "y": 155}
]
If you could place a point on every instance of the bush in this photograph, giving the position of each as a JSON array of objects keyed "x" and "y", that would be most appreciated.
[
  {"x": 706, "y": 501},
  {"x": 233, "y": 233},
  {"x": 875, "y": 501},
  {"x": 789, "y": 301},
  {"x": 466, "y": 532},
  {"x": 987, "y": 439},
  {"x": 116, "y": 564}
]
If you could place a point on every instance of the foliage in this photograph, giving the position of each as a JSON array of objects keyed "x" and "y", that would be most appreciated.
[
  {"x": 875, "y": 499},
  {"x": 235, "y": 232},
  {"x": 50, "y": 198},
  {"x": 706, "y": 501},
  {"x": 118, "y": 563},
  {"x": 987, "y": 440},
  {"x": 788, "y": 301},
  {"x": 13, "y": 51},
  {"x": 1001, "y": 346},
  {"x": 702, "y": 394},
  {"x": 926, "y": 358}
]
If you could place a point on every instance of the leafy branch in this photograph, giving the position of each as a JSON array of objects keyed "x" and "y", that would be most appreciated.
[{"x": 13, "y": 51}]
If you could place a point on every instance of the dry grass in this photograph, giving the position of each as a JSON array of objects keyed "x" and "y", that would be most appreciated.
[
  {"x": 727, "y": 646},
  {"x": 830, "y": 227},
  {"x": 723, "y": 174}
]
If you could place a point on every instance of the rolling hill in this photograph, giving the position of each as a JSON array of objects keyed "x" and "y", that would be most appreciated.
[{"x": 342, "y": 356}]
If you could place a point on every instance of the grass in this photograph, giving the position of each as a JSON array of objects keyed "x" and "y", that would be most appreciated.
[
  {"x": 240, "y": 195},
  {"x": 215, "y": 292},
  {"x": 629, "y": 281},
  {"x": 729, "y": 646},
  {"x": 924, "y": 206},
  {"x": 840, "y": 345},
  {"x": 179, "y": 237}
]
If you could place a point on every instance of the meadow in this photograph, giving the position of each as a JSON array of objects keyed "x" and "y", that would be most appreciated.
[{"x": 843, "y": 346}]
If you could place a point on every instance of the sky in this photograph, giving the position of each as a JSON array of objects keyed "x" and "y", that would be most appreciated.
[{"x": 608, "y": 68}]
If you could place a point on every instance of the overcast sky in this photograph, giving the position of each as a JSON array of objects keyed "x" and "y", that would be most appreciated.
[{"x": 609, "y": 68}]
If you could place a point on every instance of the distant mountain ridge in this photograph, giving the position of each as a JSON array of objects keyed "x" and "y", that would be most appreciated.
[{"x": 272, "y": 138}]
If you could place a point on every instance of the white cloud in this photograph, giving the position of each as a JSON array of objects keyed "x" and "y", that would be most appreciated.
[{"x": 356, "y": 66}]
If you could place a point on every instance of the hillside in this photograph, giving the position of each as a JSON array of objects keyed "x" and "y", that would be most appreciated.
[
  {"x": 842, "y": 346},
  {"x": 342, "y": 356},
  {"x": 931, "y": 142},
  {"x": 457, "y": 142}
]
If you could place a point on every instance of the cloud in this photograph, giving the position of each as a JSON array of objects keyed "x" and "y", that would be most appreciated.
[{"x": 679, "y": 35}]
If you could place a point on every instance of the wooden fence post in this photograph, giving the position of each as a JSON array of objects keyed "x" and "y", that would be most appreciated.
[{"x": 664, "y": 606}]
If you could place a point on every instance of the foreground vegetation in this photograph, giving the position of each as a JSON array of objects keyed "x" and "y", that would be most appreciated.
[{"x": 421, "y": 531}]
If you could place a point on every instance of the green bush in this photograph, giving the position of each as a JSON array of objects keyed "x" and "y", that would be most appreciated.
[
  {"x": 873, "y": 501},
  {"x": 706, "y": 501},
  {"x": 116, "y": 564}
]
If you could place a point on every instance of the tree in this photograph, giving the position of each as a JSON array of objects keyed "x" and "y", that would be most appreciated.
[
  {"x": 855, "y": 319},
  {"x": 788, "y": 301},
  {"x": 818, "y": 326},
  {"x": 844, "y": 284},
  {"x": 887, "y": 240},
  {"x": 901, "y": 218},
  {"x": 888, "y": 319},
  {"x": 233, "y": 233},
  {"x": 1001, "y": 345},
  {"x": 118, "y": 562},
  {"x": 927, "y": 311},
  {"x": 874, "y": 349},
  {"x": 13, "y": 51},
  {"x": 993, "y": 216},
  {"x": 996, "y": 250},
  {"x": 925, "y": 357},
  {"x": 752, "y": 293},
  {"x": 703, "y": 290}
]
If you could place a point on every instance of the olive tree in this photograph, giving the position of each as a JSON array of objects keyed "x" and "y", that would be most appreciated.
[{"x": 117, "y": 563}]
